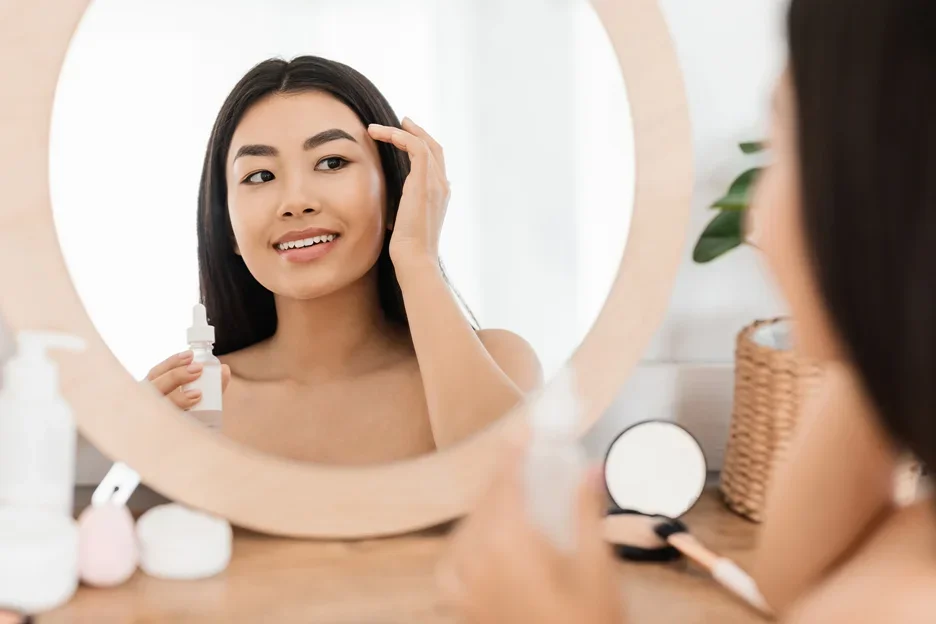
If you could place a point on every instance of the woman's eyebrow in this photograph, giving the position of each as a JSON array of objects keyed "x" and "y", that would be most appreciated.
[{"x": 325, "y": 136}]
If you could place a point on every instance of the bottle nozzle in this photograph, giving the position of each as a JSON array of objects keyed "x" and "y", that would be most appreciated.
[
  {"x": 31, "y": 369},
  {"x": 34, "y": 344},
  {"x": 200, "y": 331}
]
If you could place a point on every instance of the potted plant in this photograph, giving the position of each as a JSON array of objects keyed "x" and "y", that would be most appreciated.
[
  {"x": 726, "y": 230},
  {"x": 770, "y": 381}
]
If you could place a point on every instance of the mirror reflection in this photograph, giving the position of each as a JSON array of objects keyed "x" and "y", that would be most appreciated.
[
  {"x": 395, "y": 239},
  {"x": 656, "y": 468}
]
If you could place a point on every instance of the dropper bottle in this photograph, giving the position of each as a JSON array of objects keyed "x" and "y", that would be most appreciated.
[{"x": 201, "y": 338}]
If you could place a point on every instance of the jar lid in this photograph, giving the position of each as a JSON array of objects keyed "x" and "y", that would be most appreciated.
[{"x": 181, "y": 543}]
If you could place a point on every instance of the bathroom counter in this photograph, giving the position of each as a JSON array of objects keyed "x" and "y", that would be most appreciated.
[{"x": 391, "y": 581}]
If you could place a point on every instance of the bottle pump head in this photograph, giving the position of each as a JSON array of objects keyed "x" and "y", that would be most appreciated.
[
  {"x": 31, "y": 369},
  {"x": 200, "y": 331}
]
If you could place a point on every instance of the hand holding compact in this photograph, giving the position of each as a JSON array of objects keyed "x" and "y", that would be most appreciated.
[{"x": 502, "y": 569}]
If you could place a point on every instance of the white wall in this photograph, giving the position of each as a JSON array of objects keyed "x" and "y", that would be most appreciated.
[{"x": 731, "y": 52}]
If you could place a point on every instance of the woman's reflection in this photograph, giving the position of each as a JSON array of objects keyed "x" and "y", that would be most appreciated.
[{"x": 318, "y": 239}]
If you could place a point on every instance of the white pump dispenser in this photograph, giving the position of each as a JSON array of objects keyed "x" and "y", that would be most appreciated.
[
  {"x": 37, "y": 431},
  {"x": 38, "y": 535},
  {"x": 556, "y": 461},
  {"x": 201, "y": 338}
]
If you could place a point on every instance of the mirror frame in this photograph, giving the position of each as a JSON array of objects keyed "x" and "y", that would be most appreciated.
[{"x": 129, "y": 422}]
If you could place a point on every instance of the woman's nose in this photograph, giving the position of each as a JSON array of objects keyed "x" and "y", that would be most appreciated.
[{"x": 298, "y": 201}]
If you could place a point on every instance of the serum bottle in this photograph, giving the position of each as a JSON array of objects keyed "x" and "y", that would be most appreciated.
[
  {"x": 201, "y": 338},
  {"x": 556, "y": 462}
]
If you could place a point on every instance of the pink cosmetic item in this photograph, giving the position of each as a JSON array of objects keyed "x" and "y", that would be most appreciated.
[{"x": 108, "y": 553}]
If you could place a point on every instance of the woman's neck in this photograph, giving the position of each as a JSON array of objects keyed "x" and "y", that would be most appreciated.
[{"x": 341, "y": 334}]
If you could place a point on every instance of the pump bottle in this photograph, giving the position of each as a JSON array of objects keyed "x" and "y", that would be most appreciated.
[
  {"x": 38, "y": 535},
  {"x": 555, "y": 462},
  {"x": 201, "y": 338},
  {"x": 37, "y": 430}
]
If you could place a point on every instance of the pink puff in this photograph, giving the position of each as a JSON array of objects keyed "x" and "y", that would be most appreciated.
[{"x": 107, "y": 548}]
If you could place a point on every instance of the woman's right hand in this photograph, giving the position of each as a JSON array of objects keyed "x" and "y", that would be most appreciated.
[{"x": 174, "y": 372}]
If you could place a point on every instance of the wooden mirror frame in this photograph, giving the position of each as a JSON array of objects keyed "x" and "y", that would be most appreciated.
[{"x": 127, "y": 421}]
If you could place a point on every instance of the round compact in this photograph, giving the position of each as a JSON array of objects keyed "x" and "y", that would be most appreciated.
[{"x": 655, "y": 468}]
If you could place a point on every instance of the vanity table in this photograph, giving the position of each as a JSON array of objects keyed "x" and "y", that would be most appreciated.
[{"x": 390, "y": 581}]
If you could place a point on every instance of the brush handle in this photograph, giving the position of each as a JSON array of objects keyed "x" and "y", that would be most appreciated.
[
  {"x": 117, "y": 486},
  {"x": 733, "y": 578}
]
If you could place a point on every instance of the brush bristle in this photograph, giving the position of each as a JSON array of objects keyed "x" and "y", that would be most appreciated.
[{"x": 668, "y": 527}]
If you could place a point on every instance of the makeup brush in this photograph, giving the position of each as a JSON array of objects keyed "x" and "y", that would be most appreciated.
[
  {"x": 634, "y": 538},
  {"x": 722, "y": 569}
]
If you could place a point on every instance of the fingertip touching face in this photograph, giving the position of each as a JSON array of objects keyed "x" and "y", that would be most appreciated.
[
  {"x": 306, "y": 194},
  {"x": 775, "y": 226}
]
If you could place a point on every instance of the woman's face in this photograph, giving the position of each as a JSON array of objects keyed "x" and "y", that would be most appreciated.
[
  {"x": 306, "y": 194},
  {"x": 775, "y": 226}
]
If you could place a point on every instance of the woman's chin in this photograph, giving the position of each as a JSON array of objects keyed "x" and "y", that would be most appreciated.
[{"x": 308, "y": 292}]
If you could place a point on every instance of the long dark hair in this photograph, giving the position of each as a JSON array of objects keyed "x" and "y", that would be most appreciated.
[
  {"x": 864, "y": 75},
  {"x": 240, "y": 308}
]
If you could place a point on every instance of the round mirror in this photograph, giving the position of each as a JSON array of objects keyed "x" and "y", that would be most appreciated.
[
  {"x": 179, "y": 168},
  {"x": 655, "y": 468},
  {"x": 272, "y": 474}
]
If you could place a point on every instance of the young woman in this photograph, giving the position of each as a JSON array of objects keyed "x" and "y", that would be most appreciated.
[
  {"x": 318, "y": 227},
  {"x": 846, "y": 218}
]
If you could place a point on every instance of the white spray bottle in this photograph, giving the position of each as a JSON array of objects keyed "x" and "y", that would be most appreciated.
[
  {"x": 37, "y": 431},
  {"x": 556, "y": 462},
  {"x": 201, "y": 338}
]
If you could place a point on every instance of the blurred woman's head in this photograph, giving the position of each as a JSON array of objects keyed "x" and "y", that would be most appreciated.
[{"x": 846, "y": 214}]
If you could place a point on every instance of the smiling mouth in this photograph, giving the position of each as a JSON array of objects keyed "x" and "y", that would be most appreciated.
[{"x": 306, "y": 242}]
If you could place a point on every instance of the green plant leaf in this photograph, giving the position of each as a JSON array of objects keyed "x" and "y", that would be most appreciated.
[
  {"x": 722, "y": 234},
  {"x": 753, "y": 147},
  {"x": 738, "y": 196}
]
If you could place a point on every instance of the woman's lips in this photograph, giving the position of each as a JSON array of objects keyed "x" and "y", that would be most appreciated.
[{"x": 307, "y": 254}]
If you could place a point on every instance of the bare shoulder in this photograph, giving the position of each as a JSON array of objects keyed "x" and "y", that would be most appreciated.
[
  {"x": 515, "y": 356},
  {"x": 249, "y": 363},
  {"x": 873, "y": 600},
  {"x": 891, "y": 578}
]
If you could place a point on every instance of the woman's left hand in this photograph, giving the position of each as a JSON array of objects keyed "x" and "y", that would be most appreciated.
[
  {"x": 419, "y": 217},
  {"x": 501, "y": 569}
]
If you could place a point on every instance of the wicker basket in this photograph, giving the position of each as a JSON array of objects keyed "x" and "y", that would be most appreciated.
[{"x": 770, "y": 385}]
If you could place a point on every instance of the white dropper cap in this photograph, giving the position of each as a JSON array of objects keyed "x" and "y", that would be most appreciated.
[
  {"x": 200, "y": 331},
  {"x": 31, "y": 371},
  {"x": 556, "y": 412}
]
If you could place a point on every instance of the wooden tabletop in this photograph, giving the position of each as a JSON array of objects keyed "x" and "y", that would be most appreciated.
[{"x": 391, "y": 581}]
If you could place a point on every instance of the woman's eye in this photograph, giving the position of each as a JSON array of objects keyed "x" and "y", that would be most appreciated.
[
  {"x": 259, "y": 178},
  {"x": 331, "y": 163}
]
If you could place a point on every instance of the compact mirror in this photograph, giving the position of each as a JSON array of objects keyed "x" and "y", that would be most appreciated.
[
  {"x": 538, "y": 146},
  {"x": 655, "y": 468}
]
